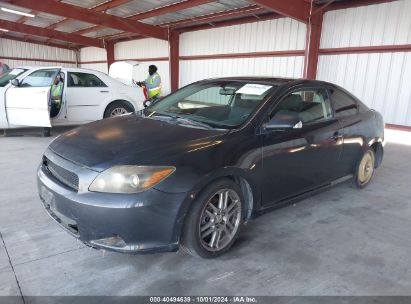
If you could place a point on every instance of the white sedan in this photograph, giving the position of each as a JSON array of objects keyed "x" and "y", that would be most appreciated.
[{"x": 87, "y": 96}]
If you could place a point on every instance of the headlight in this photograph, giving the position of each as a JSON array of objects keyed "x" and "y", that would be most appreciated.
[{"x": 129, "y": 179}]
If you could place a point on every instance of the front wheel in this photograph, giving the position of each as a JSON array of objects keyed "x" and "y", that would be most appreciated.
[
  {"x": 117, "y": 108},
  {"x": 365, "y": 169},
  {"x": 213, "y": 223}
]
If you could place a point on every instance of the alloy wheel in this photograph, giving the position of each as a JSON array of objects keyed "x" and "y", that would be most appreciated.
[
  {"x": 220, "y": 220},
  {"x": 366, "y": 168},
  {"x": 118, "y": 111}
]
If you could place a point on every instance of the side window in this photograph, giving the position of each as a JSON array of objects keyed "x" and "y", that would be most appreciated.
[
  {"x": 84, "y": 80},
  {"x": 309, "y": 105},
  {"x": 39, "y": 78},
  {"x": 344, "y": 105}
]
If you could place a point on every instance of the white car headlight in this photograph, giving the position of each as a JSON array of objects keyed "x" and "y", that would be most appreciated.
[{"x": 129, "y": 179}]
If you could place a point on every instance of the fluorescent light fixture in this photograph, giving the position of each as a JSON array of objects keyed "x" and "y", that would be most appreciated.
[
  {"x": 3, "y": 30},
  {"x": 17, "y": 12}
]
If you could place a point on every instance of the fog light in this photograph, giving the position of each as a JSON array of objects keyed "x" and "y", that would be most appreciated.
[{"x": 114, "y": 241}]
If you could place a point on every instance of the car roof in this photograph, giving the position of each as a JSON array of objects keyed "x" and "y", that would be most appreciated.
[
  {"x": 32, "y": 67},
  {"x": 29, "y": 67},
  {"x": 277, "y": 81},
  {"x": 259, "y": 79}
]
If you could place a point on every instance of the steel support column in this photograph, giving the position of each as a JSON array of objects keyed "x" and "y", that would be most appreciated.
[
  {"x": 110, "y": 53},
  {"x": 312, "y": 45},
  {"x": 174, "y": 45}
]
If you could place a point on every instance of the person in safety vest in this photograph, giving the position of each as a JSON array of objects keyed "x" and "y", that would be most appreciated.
[
  {"x": 152, "y": 84},
  {"x": 56, "y": 96}
]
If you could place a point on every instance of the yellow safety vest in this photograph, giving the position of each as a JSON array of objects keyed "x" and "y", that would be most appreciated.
[
  {"x": 55, "y": 91},
  {"x": 151, "y": 92}
]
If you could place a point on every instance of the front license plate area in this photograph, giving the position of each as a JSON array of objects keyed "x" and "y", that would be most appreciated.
[{"x": 47, "y": 197}]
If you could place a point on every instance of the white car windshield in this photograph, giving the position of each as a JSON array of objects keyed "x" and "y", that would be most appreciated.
[
  {"x": 5, "y": 78},
  {"x": 220, "y": 104}
]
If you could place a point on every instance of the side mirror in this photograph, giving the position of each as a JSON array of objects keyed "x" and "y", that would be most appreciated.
[
  {"x": 284, "y": 121},
  {"x": 15, "y": 82}
]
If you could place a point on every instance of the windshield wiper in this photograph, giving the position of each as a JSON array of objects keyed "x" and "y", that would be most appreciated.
[
  {"x": 193, "y": 122},
  {"x": 153, "y": 115},
  {"x": 177, "y": 119}
]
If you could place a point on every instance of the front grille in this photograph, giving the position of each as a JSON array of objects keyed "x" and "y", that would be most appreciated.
[{"x": 64, "y": 176}]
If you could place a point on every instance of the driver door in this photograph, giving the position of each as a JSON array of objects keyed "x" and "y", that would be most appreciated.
[
  {"x": 306, "y": 157},
  {"x": 28, "y": 103}
]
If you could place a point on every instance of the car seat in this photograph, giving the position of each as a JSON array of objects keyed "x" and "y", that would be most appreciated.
[{"x": 70, "y": 81}]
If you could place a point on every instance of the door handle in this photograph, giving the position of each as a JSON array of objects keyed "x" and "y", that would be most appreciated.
[{"x": 104, "y": 91}]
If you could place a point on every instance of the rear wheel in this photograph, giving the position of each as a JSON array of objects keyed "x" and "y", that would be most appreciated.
[
  {"x": 117, "y": 108},
  {"x": 365, "y": 169},
  {"x": 213, "y": 223}
]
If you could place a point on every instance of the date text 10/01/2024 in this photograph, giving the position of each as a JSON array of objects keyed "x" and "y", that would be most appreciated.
[{"x": 204, "y": 299}]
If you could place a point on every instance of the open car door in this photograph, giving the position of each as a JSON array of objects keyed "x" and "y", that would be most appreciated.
[{"x": 28, "y": 103}]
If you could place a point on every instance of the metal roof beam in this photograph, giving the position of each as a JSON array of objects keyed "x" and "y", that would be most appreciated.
[
  {"x": 108, "y": 5},
  {"x": 89, "y": 30},
  {"x": 39, "y": 31},
  {"x": 209, "y": 19},
  {"x": 168, "y": 9},
  {"x": 99, "y": 8},
  {"x": 296, "y": 9},
  {"x": 251, "y": 9},
  {"x": 222, "y": 23},
  {"x": 90, "y": 16}
]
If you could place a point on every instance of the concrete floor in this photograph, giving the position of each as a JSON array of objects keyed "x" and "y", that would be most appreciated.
[{"x": 340, "y": 242}]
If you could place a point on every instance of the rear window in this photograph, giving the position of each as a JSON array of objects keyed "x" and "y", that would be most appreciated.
[
  {"x": 344, "y": 105},
  {"x": 84, "y": 80}
]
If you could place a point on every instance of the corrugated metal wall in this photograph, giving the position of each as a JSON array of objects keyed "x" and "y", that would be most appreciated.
[
  {"x": 143, "y": 49},
  {"x": 274, "y": 35},
  {"x": 381, "y": 80},
  {"x": 88, "y": 55},
  {"x": 26, "y": 51},
  {"x": 380, "y": 24},
  {"x": 193, "y": 70}
]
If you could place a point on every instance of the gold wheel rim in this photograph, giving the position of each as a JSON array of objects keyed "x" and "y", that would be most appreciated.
[{"x": 366, "y": 168}]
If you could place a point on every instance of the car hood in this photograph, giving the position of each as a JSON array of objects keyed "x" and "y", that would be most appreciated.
[{"x": 129, "y": 139}]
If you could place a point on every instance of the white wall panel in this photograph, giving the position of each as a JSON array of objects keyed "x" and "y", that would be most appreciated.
[
  {"x": 102, "y": 67},
  {"x": 141, "y": 48},
  {"x": 18, "y": 49},
  {"x": 380, "y": 80},
  {"x": 194, "y": 70},
  {"x": 90, "y": 54},
  {"x": 372, "y": 25},
  {"x": 272, "y": 35}
]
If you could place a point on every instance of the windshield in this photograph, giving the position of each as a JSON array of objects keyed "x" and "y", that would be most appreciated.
[
  {"x": 5, "y": 78},
  {"x": 219, "y": 104}
]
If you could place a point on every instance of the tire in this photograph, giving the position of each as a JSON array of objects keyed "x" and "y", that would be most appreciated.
[
  {"x": 208, "y": 231},
  {"x": 365, "y": 169},
  {"x": 117, "y": 108}
]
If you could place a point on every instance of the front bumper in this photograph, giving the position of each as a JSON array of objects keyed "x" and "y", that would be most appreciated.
[{"x": 149, "y": 221}]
